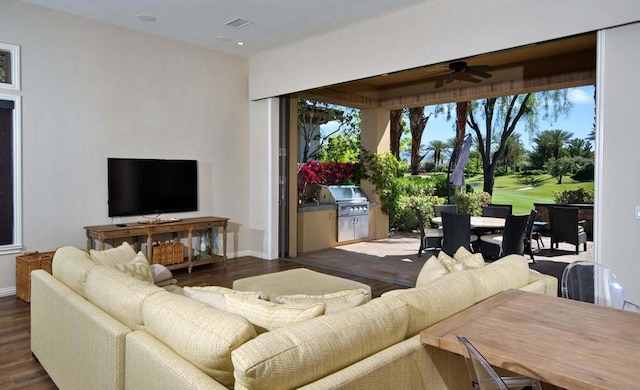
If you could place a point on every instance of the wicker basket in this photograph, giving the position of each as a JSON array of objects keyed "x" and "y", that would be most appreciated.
[
  {"x": 168, "y": 253},
  {"x": 24, "y": 265}
]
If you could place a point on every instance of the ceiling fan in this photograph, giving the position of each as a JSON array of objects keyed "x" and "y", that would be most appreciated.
[{"x": 463, "y": 72}]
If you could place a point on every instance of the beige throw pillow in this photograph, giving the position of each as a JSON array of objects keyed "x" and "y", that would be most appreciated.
[
  {"x": 265, "y": 315},
  {"x": 138, "y": 268},
  {"x": 334, "y": 302},
  {"x": 470, "y": 260},
  {"x": 160, "y": 273},
  {"x": 431, "y": 270},
  {"x": 110, "y": 257},
  {"x": 451, "y": 264},
  {"x": 214, "y": 295}
]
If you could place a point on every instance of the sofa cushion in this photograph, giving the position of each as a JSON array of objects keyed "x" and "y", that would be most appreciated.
[
  {"x": 197, "y": 332},
  {"x": 71, "y": 266},
  {"x": 119, "y": 294},
  {"x": 334, "y": 302},
  {"x": 160, "y": 273},
  {"x": 265, "y": 315},
  {"x": 438, "y": 300},
  {"x": 297, "y": 355},
  {"x": 137, "y": 268},
  {"x": 110, "y": 257},
  {"x": 214, "y": 295},
  {"x": 508, "y": 272}
]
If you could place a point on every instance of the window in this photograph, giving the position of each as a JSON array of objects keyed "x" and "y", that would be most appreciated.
[
  {"x": 10, "y": 189},
  {"x": 9, "y": 66}
]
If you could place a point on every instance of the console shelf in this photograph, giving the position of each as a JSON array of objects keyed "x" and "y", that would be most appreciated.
[{"x": 134, "y": 231}]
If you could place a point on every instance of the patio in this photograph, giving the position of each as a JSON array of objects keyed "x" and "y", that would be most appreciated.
[{"x": 395, "y": 259}]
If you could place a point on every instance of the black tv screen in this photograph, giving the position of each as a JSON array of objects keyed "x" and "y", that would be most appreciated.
[{"x": 147, "y": 186}]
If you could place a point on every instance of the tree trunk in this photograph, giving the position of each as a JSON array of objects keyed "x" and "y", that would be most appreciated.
[
  {"x": 462, "y": 110},
  {"x": 396, "y": 132},
  {"x": 417, "y": 124}
]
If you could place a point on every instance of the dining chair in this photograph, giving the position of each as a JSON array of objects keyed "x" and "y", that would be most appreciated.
[
  {"x": 497, "y": 210},
  {"x": 438, "y": 209},
  {"x": 529, "y": 235},
  {"x": 587, "y": 281},
  {"x": 484, "y": 376},
  {"x": 456, "y": 232},
  {"x": 429, "y": 237},
  {"x": 510, "y": 241},
  {"x": 565, "y": 227}
]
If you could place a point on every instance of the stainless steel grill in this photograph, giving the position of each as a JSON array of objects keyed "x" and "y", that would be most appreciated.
[{"x": 353, "y": 210}]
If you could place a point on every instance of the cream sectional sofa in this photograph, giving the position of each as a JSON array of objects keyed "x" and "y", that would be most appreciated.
[{"x": 94, "y": 327}]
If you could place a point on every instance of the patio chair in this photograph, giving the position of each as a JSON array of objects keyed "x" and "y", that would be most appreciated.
[
  {"x": 484, "y": 376},
  {"x": 497, "y": 210},
  {"x": 565, "y": 227},
  {"x": 429, "y": 238},
  {"x": 511, "y": 241},
  {"x": 529, "y": 235},
  {"x": 456, "y": 230},
  {"x": 587, "y": 281}
]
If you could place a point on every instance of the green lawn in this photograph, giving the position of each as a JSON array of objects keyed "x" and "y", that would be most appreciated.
[{"x": 522, "y": 194}]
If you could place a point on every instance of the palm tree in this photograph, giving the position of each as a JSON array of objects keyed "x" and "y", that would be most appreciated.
[
  {"x": 417, "y": 123},
  {"x": 437, "y": 147}
]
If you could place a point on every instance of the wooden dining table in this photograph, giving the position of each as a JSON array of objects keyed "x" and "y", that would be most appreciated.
[
  {"x": 566, "y": 343},
  {"x": 478, "y": 222}
]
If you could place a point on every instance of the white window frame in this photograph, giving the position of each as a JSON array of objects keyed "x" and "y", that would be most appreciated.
[
  {"x": 16, "y": 246},
  {"x": 15, "y": 66}
]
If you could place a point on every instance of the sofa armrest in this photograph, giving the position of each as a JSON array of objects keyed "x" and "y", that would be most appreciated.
[
  {"x": 149, "y": 363},
  {"x": 79, "y": 345}
]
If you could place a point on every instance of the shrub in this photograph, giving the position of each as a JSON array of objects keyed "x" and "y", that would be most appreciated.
[
  {"x": 586, "y": 173},
  {"x": 577, "y": 196},
  {"x": 472, "y": 203},
  {"x": 405, "y": 217}
]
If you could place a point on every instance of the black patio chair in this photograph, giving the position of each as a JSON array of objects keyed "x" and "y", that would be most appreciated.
[
  {"x": 438, "y": 209},
  {"x": 497, "y": 210},
  {"x": 566, "y": 227},
  {"x": 529, "y": 236},
  {"x": 511, "y": 241},
  {"x": 456, "y": 229},
  {"x": 429, "y": 238}
]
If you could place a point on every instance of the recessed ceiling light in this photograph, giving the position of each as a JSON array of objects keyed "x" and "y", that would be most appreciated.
[
  {"x": 240, "y": 43},
  {"x": 146, "y": 18},
  {"x": 223, "y": 39}
]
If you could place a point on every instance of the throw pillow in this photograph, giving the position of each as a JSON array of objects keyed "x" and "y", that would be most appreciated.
[
  {"x": 160, "y": 273},
  {"x": 214, "y": 295},
  {"x": 110, "y": 257},
  {"x": 265, "y": 315},
  {"x": 334, "y": 302},
  {"x": 431, "y": 270},
  {"x": 451, "y": 264},
  {"x": 470, "y": 260},
  {"x": 138, "y": 268}
]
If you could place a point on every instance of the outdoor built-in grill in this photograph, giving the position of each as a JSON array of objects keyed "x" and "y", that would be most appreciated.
[{"x": 353, "y": 210}]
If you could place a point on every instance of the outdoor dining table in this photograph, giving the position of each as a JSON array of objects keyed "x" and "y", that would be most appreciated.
[{"x": 478, "y": 222}]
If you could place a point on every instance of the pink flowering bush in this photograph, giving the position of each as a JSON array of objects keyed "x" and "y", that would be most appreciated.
[{"x": 313, "y": 173}]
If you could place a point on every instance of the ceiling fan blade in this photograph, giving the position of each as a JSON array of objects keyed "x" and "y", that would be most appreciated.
[
  {"x": 479, "y": 73},
  {"x": 466, "y": 76},
  {"x": 451, "y": 77}
]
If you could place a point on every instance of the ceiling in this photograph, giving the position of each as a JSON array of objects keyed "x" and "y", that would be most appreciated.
[
  {"x": 556, "y": 64},
  {"x": 273, "y": 23}
]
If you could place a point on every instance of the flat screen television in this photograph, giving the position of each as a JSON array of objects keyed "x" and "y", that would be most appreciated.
[{"x": 148, "y": 186}]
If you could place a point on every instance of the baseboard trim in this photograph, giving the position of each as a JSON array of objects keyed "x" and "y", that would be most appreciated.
[{"x": 7, "y": 291}]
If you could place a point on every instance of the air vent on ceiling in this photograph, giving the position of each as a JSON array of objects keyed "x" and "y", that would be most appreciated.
[{"x": 238, "y": 23}]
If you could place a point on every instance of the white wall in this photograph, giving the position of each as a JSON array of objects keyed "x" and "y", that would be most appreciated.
[
  {"x": 92, "y": 91},
  {"x": 618, "y": 158}
]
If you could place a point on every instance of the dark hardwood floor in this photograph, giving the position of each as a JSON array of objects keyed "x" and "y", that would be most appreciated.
[{"x": 20, "y": 370}]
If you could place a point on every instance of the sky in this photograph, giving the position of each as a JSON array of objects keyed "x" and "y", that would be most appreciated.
[{"x": 579, "y": 122}]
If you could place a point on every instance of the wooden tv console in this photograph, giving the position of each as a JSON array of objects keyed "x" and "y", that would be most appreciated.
[{"x": 134, "y": 231}]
